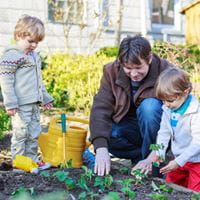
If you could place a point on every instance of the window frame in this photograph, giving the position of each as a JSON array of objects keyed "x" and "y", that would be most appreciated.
[{"x": 84, "y": 17}]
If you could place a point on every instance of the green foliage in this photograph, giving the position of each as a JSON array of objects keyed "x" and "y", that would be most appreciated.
[
  {"x": 45, "y": 174},
  {"x": 73, "y": 80},
  {"x": 103, "y": 182},
  {"x": 61, "y": 175},
  {"x": 196, "y": 196},
  {"x": 157, "y": 196},
  {"x": 139, "y": 176},
  {"x": 5, "y": 123},
  {"x": 108, "y": 51},
  {"x": 157, "y": 148},
  {"x": 112, "y": 196}
]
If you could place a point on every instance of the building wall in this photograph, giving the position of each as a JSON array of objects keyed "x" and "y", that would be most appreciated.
[{"x": 134, "y": 21}]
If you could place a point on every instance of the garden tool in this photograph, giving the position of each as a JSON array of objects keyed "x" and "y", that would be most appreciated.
[{"x": 64, "y": 130}]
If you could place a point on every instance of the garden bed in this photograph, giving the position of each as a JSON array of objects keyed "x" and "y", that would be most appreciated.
[{"x": 81, "y": 184}]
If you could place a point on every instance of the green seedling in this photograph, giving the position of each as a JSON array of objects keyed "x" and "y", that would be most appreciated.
[
  {"x": 68, "y": 164},
  {"x": 139, "y": 176},
  {"x": 112, "y": 196},
  {"x": 87, "y": 195},
  {"x": 61, "y": 175},
  {"x": 45, "y": 174},
  {"x": 128, "y": 192},
  {"x": 23, "y": 191},
  {"x": 70, "y": 183},
  {"x": 126, "y": 183},
  {"x": 157, "y": 196},
  {"x": 157, "y": 148},
  {"x": 103, "y": 182},
  {"x": 161, "y": 188},
  {"x": 196, "y": 196},
  {"x": 88, "y": 173},
  {"x": 125, "y": 170},
  {"x": 82, "y": 183}
]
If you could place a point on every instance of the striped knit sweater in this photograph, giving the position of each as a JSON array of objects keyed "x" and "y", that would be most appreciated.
[{"x": 20, "y": 79}]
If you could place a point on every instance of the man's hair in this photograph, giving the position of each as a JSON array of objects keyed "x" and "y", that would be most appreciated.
[
  {"x": 133, "y": 49},
  {"x": 29, "y": 26},
  {"x": 171, "y": 83}
]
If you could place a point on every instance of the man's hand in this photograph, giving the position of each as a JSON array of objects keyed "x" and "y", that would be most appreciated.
[
  {"x": 12, "y": 112},
  {"x": 144, "y": 165},
  {"x": 48, "y": 106},
  {"x": 172, "y": 165},
  {"x": 102, "y": 162}
]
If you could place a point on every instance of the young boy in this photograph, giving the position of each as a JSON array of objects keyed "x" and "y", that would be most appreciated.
[
  {"x": 181, "y": 124},
  {"x": 22, "y": 87}
]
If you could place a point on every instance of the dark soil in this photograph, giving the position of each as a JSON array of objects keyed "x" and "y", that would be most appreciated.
[{"x": 11, "y": 181}]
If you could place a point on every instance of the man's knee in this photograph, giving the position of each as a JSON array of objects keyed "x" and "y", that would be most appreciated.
[{"x": 150, "y": 108}]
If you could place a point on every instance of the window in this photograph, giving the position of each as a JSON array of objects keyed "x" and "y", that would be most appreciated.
[
  {"x": 163, "y": 12},
  {"x": 70, "y": 11}
]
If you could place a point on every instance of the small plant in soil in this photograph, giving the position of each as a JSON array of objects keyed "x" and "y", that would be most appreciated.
[
  {"x": 126, "y": 183},
  {"x": 160, "y": 190},
  {"x": 87, "y": 195},
  {"x": 103, "y": 182},
  {"x": 196, "y": 196},
  {"x": 112, "y": 196},
  {"x": 67, "y": 165},
  {"x": 88, "y": 173},
  {"x": 157, "y": 148},
  {"x": 125, "y": 170},
  {"x": 22, "y": 191},
  {"x": 156, "y": 166},
  {"x": 139, "y": 176}
]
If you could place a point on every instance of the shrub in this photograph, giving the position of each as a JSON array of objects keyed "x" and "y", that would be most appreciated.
[
  {"x": 4, "y": 123},
  {"x": 73, "y": 80},
  {"x": 108, "y": 51}
]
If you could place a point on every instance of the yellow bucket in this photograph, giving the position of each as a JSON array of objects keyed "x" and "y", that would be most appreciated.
[{"x": 57, "y": 149}]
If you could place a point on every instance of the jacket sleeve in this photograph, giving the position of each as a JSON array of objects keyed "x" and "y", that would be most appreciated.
[
  {"x": 194, "y": 148},
  {"x": 164, "y": 135},
  {"x": 8, "y": 67},
  {"x": 46, "y": 97},
  {"x": 101, "y": 113}
]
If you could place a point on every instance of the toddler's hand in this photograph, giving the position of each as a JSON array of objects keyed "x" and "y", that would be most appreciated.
[
  {"x": 12, "y": 112},
  {"x": 172, "y": 165},
  {"x": 48, "y": 106}
]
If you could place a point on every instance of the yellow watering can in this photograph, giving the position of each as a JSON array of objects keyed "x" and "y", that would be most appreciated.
[{"x": 64, "y": 142}]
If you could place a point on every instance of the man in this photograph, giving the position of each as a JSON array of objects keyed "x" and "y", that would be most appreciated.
[{"x": 125, "y": 115}]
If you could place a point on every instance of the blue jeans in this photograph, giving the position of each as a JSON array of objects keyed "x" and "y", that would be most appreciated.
[{"x": 132, "y": 136}]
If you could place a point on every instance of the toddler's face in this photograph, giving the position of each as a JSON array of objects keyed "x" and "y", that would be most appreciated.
[
  {"x": 27, "y": 44},
  {"x": 176, "y": 102}
]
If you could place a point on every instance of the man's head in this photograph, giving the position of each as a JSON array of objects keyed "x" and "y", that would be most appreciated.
[
  {"x": 28, "y": 32},
  {"x": 135, "y": 57}
]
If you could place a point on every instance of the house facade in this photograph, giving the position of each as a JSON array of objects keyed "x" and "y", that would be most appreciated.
[{"x": 84, "y": 26}]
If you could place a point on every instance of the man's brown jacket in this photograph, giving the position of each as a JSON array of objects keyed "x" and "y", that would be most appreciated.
[{"x": 112, "y": 102}]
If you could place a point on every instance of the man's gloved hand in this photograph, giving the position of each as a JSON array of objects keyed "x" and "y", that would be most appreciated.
[{"x": 102, "y": 162}]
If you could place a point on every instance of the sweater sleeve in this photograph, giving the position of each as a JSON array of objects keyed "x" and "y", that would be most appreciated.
[
  {"x": 164, "y": 135},
  {"x": 194, "y": 148},
  {"x": 8, "y": 67}
]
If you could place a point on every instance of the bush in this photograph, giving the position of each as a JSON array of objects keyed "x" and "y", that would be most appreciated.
[
  {"x": 73, "y": 80},
  {"x": 5, "y": 124},
  {"x": 108, "y": 51}
]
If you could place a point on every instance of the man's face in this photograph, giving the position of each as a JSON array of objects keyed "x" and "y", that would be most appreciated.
[{"x": 136, "y": 72}]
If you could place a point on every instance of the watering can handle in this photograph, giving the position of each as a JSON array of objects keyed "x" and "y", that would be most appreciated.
[{"x": 63, "y": 123}]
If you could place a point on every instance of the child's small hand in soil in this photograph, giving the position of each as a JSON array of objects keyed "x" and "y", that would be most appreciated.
[
  {"x": 144, "y": 165},
  {"x": 172, "y": 165}
]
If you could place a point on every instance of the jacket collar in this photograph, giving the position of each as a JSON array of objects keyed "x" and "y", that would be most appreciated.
[{"x": 193, "y": 107}]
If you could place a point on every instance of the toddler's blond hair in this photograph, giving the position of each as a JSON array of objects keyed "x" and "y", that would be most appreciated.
[
  {"x": 172, "y": 82},
  {"x": 29, "y": 26}
]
